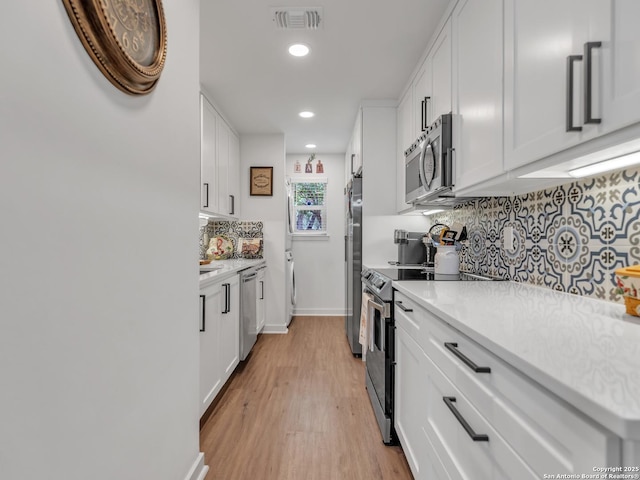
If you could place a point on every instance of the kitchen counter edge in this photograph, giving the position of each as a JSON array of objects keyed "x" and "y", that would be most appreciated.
[
  {"x": 485, "y": 323},
  {"x": 229, "y": 268}
]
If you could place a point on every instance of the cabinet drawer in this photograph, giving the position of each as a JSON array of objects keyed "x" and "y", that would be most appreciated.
[
  {"x": 459, "y": 455},
  {"x": 408, "y": 315},
  {"x": 546, "y": 432}
]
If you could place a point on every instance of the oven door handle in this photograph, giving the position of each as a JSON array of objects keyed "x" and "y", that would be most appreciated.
[{"x": 384, "y": 310}]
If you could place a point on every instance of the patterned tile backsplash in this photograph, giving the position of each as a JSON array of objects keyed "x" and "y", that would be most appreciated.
[
  {"x": 570, "y": 238},
  {"x": 234, "y": 231}
]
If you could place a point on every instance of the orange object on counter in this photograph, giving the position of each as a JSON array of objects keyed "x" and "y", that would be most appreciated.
[{"x": 627, "y": 285}]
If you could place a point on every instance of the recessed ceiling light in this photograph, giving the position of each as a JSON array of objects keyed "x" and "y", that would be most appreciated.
[
  {"x": 306, "y": 114},
  {"x": 298, "y": 50},
  {"x": 311, "y": 145}
]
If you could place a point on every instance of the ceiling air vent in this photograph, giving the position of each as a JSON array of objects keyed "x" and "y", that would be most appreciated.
[{"x": 293, "y": 18}]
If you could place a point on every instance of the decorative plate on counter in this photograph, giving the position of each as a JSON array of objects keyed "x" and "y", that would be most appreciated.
[
  {"x": 250, "y": 247},
  {"x": 220, "y": 248}
]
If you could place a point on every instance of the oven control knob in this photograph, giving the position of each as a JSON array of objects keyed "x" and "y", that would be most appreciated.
[{"x": 379, "y": 283}]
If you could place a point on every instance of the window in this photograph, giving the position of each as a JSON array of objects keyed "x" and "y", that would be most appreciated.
[{"x": 309, "y": 212}]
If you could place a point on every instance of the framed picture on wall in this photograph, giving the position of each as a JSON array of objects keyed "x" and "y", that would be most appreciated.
[{"x": 261, "y": 181}]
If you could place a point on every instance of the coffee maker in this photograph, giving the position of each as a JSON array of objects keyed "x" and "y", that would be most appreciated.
[{"x": 411, "y": 250}]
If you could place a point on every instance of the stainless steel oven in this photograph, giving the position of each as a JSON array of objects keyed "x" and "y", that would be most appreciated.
[{"x": 380, "y": 354}]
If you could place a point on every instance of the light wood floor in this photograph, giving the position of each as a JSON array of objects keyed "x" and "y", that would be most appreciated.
[{"x": 299, "y": 410}]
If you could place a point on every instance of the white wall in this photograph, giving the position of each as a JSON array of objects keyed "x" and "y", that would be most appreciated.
[
  {"x": 98, "y": 292},
  {"x": 268, "y": 151},
  {"x": 319, "y": 262}
]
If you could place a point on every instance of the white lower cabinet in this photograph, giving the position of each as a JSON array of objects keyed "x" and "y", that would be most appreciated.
[
  {"x": 410, "y": 399},
  {"x": 463, "y": 413},
  {"x": 219, "y": 337}
]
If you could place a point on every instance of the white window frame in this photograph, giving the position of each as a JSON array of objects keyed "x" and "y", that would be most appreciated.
[{"x": 324, "y": 208}]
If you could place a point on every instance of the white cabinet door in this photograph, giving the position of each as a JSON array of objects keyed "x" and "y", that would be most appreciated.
[
  {"x": 210, "y": 366},
  {"x": 234, "y": 175},
  {"x": 422, "y": 100},
  {"x": 410, "y": 401},
  {"x": 543, "y": 107},
  {"x": 223, "y": 141},
  {"x": 621, "y": 67},
  {"x": 440, "y": 64},
  {"x": 229, "y": 326},
  {"x": 356, "y": 146},
  {"x": 261, "y": 308},
  {"x": 432, "y": 84},
  {"x": 220, "y": 163},
  {"x": 208, "y": 156},
  {"x": 404, "y": 140},
  {"x": 477, "y": 90}
]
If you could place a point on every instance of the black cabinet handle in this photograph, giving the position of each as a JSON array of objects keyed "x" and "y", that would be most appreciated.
[
  {"x": 261, "y": 290},
  {"x": 402, "y": 307},
  {"x": 476, "y": 437},
  {"x": 233, "y": 205},
  {"x": 571, "y": 59},
  {"x": 206, "y": 185},
  {"x": 227, "y": 297},
  {"x": 425, "y": 104},
  {"x": 204, "y": 299},
  {"x": 353, "y": 155},
  {"x": 453, "y": 348},
  {"x": 588, "y": 77}
]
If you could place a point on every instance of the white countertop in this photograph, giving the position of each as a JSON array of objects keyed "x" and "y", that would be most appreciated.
[
  {"x": 584, "y": 350},
  {"x": 227, "y": 268}
]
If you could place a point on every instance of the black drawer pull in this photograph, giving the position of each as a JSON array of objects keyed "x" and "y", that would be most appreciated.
[
  {"x": 403, "y": 308},
  {"x": 453, "y": 348},
  {"x": 588, "y": 79},
  {"x": 571, "y": 59},
  {"x": 476, "y": 437},
  {"x": 204, "y": 300}
]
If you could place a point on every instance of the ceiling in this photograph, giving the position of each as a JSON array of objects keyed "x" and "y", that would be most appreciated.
[{"x": 365, "y": 49}]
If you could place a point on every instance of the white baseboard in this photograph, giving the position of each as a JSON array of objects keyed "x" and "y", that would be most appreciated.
[
  {"x": 198, "y": 470},
  {"x": 319, "y": 312},
  {"x": 281, "y": 329}
]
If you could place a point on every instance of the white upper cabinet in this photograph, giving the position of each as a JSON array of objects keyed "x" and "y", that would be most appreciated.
[
  {"x": 208, "y": 157},
  {"x": 534, "y": 86},
  {"x": 477, "y": 90},
  {"x": 428, "y": 97},
  {"x": 356, "y": 146},
  {"x": 621, "y": 67},
  {"x": 440, "y": 59},
  {"x": 432, "y": 84},
  {"x": 224, "y": 135},
  {"x": 422, "y": 101},
  {"x": 234, "y": 175},
  {"x": 404, "y": 125},
  {"x": 220, "y": 163},
  {"x": 545, "y": 84}
]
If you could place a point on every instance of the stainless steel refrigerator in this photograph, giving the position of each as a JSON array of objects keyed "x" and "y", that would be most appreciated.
[{"x": 353, "y": 262}]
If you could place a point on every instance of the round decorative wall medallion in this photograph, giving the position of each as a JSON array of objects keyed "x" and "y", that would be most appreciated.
[{"x": 126, "y": 39}]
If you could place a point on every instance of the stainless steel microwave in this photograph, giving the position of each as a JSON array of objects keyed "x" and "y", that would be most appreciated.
[{"x": 429, "y": 164}]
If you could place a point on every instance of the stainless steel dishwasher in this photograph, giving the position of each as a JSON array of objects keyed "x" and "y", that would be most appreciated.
[{"x": 248, "y": 312}]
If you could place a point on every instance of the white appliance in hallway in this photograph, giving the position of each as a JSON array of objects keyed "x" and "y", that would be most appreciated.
[
  {"x": 291, "y": 285},
  {"x": 290, "y": 277}
]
